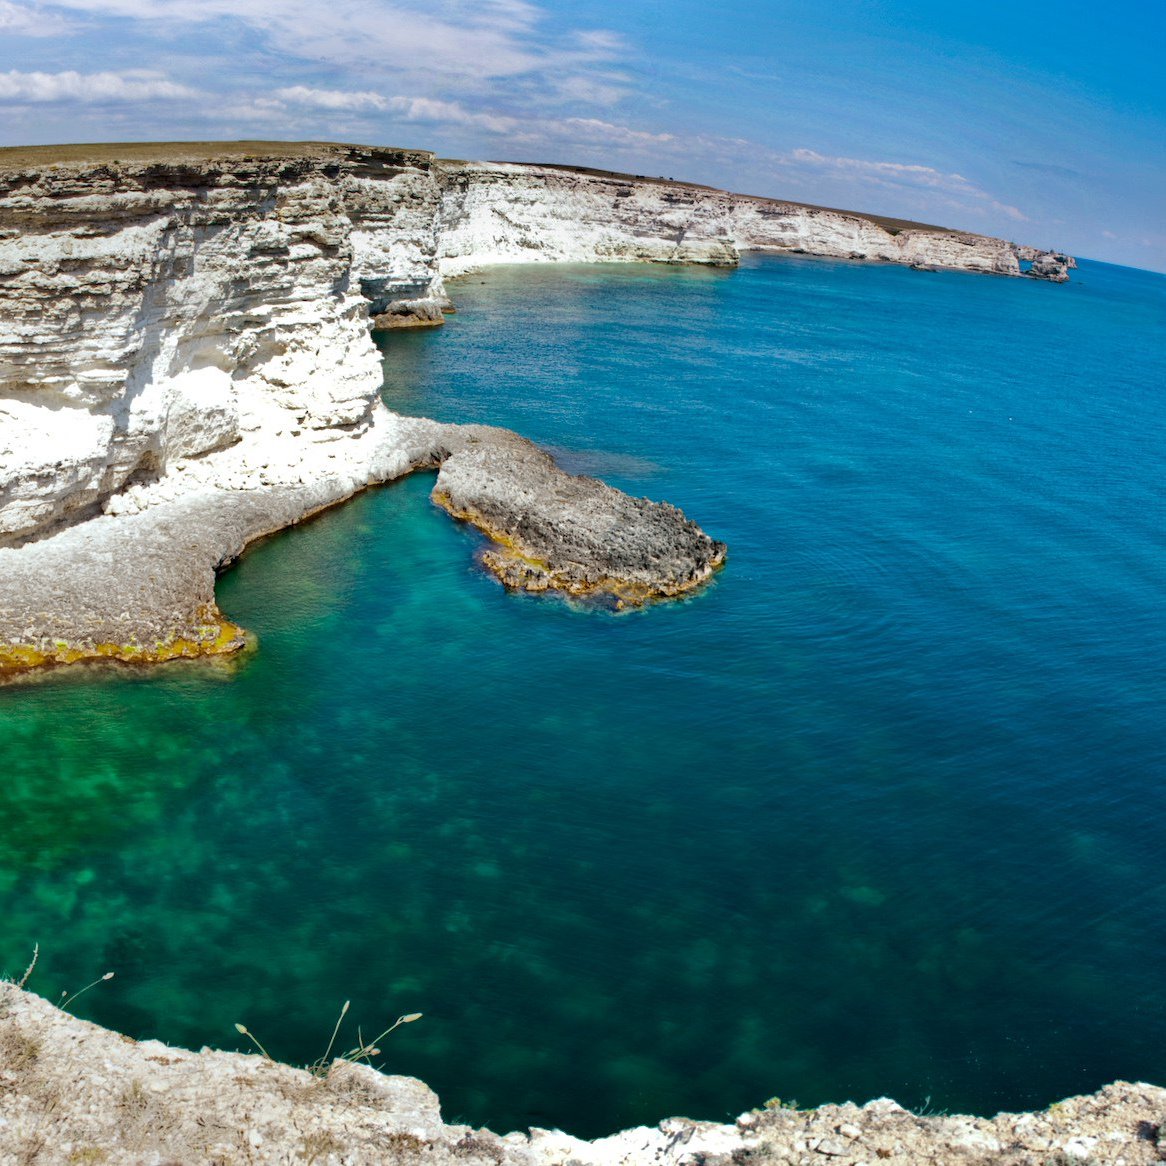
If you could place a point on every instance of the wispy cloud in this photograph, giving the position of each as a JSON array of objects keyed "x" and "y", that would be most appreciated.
[
  {"x": 90, "y": 88},
  {"x": 961, "y": 192},
  {"x": 426, "y": 109},
  {"x": 466, "y": 43},
  {"x": 605, "y": 131}
]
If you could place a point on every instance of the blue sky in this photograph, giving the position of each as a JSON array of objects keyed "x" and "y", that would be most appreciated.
[{"x": 1043, "y": 122}]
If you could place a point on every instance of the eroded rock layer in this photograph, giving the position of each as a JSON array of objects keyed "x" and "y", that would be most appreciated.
[
  {"x": 493, "y": 212},
  {"x": 73, "y": 1092}
]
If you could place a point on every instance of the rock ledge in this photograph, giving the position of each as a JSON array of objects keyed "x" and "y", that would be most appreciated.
[{"x": 72, "y": 1092}]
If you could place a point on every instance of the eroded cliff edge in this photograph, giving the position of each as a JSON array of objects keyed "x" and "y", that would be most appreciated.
[
  {"x": 186, "y": 364},
  {"x": 73, "y": 1092}
]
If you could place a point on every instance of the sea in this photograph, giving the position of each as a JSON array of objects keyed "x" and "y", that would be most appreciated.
[{"x": 879, "y": 812}]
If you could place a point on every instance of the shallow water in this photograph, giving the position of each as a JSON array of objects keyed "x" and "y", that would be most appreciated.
[{"x": 876, "y": 813}]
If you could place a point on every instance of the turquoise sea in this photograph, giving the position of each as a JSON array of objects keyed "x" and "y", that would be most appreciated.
[{"x": 880, "y": 812}]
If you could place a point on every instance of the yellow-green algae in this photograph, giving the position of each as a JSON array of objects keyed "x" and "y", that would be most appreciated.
[
  {"x": 537, "y": 574},
  {"x": 216, "y": 636}
]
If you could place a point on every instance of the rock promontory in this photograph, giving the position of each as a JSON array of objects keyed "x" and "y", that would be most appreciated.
[{"x": 561, "y": 532}]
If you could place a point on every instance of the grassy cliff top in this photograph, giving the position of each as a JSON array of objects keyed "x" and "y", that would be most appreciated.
[
  {"x": 98, "y": 153},
  {"x": 106, "y": 153}
]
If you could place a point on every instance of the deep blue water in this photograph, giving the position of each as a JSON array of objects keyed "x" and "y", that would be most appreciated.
[{"x": 879, "y": 812}]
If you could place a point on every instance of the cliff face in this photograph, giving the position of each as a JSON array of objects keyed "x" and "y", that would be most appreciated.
[
  {"x": 507, "y": 213},
  {"x": 158, "y": 309},
  {"x": 155, "y": 312}
]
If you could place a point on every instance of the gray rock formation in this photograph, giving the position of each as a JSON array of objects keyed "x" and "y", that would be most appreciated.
[
  {"x": 71, "y": 1092},
  {"x": 555, "y": 531},
  {"x": 1051, "y": 265}
]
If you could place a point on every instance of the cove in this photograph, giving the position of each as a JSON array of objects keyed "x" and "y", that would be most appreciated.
[{"x": 873, "y": 814}]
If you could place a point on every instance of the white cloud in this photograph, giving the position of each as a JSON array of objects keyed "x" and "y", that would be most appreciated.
[
  {"x": 90, "y": 88},
  {"x": 598, "y": 89},
  {"x": 426, "y": 109},
  {"x": 331, "y": 98},
  {"x": 21, "y": 20},
  {"x": 408, "y": 109},
  {"x": 467, "y": 42},
  {"x": 590, "y": 127}
]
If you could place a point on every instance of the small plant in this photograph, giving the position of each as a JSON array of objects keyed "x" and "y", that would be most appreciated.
[
  {"x": 778, "y": 1103},
  {"x": 81, "y": 991},
  {"x": 242, "y": 1028},
  {"x": 364, "y": 1050},
  {"x": 32, "y": 964}
]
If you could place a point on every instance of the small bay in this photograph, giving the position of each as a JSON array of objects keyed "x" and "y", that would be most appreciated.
[{"x": 877, "y": 813}]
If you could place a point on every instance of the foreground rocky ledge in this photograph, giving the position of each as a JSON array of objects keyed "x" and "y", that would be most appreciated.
[{"x": 71, "y": 1092}]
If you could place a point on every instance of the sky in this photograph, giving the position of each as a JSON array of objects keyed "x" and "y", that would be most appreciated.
[{"x": 1040, "y": 120}]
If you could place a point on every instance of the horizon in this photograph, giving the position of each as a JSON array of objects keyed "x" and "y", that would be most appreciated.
[{"x": 1033, "y": 123}]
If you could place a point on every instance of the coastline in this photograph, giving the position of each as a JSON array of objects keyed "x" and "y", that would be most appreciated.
[
  {"x": 138, "y": 586},
  {"x": 222, "y": 494},
  {"x": 71, "y": 1091},
  {"x": 189, "y": 364}
]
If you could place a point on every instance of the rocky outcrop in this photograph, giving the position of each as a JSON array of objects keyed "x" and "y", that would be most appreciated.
[
  {"x": 555, "y": 531},
  {"x": 1050, "y": 265},
  {"x": 73, "y": 1092},
  {"x": 186, "y": 363}
]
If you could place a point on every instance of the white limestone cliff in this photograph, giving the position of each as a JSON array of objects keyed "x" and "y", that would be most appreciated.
[
  {"x": 508, "y": 213},
  {"x": 160, "y": 311},
  {"x": 192, "y": 320}
]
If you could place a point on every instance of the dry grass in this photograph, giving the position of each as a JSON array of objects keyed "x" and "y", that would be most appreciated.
[
  {"x": 97, "y": 153},
  {"x": 18, "y": 1054},
  {"x": 108, "y": 153}
]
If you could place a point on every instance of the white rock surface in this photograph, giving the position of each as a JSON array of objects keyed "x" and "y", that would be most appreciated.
[
  {"x": 508, "y": 213},
  {"x": 73, "y": 1092},
  {"x": 159, "y": 311}
]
